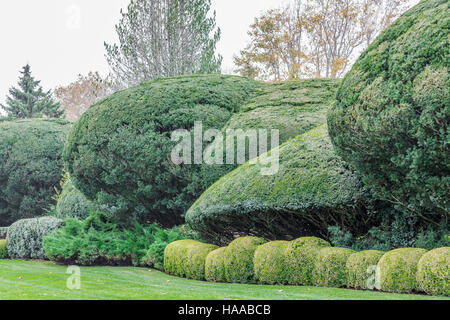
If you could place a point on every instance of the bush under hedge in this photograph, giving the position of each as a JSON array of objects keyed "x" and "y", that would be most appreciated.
[
  {"x": 215, "y": 266},
  {"x": 269, "y": 263},
  {"x": 72, "y": 203},
  {"x": 329, "y": 268},
  {"x": 433, "y": 272},
  {"x": 397, "y": 270},
  {"x": 3, "y": 232},
  {"x": 391, "y": 118},
  {"x": 361, "y": 269},
  {"x": 311, "y": 191},
  {"x": 31, "y": 166},
  {"x": 238, "y": 259},
  {"x": 25, "y": 237},
  {"x": 3, "y": 249},
  {"x": 301, "y": 255},
  {"x": 186, "y": 258}
]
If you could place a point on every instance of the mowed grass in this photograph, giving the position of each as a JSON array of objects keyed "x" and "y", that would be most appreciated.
[{"x": 29, "y": 280}]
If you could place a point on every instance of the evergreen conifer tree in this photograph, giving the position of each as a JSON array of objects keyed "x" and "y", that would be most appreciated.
[{"x": 29, "y": 100}]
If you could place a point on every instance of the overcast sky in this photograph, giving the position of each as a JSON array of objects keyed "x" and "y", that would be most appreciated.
[{"x": 63, "y": 38}]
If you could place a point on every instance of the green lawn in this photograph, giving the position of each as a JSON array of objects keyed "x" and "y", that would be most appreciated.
[{"x": 45, "y": 280}]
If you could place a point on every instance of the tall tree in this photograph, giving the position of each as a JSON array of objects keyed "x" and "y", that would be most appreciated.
[
  {"x": 163, "y": 38},
  {"x": 320, "y": 38},
  {"x": 29, "y": 100},
  {"x": 78, "y": 96}
]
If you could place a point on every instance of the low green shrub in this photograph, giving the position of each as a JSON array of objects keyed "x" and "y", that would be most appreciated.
[
  {"x": 397, "y": 270},
  {"x": 72, "y": 203},
  {"x": 3, "y": 250},
  {"x": 215, "y": 266},
  {"x": 25, "y": 237},
  {"x": 361, "y": 267},
  {"x": 98, "y": 240},
  {"x": 329, "y": 269},
  {"x": 300, "y": 258},
  {"x": 269, "y": 263},
  {"x": 186, "y": 258},
  {"x": 3, "y": 232},
  {"x": 433, "y": 272},
  {"x": 239, "y": 259}
]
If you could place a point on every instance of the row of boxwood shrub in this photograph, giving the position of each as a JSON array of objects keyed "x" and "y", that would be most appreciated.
[{"x": 311, "y": 262}]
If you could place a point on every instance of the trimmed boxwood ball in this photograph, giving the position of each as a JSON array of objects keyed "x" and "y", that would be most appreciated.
[
  {"x": 72, "y": 203},
  {"x": 361, "y": 267},
  {"x": 329, "y": 268},
  {"x": 311, "y": 191},
  {"x": 25, "y": 237},
  {"x": 186, "y": 258},
  {"x": 433, "y": 272},
  {"x": 300, "y": 258},
  {"x": 397, "y": 270},
  {"x": 239, "y": 259},
  {"x": 391, "y": 118},
  {"x": 120, "y": 149},
  {"x": 215, "y": 266},
  {"x": 3, "y": 250},
  {"x": 270, "y": 264},
  {"x": 31, "y": 166}
]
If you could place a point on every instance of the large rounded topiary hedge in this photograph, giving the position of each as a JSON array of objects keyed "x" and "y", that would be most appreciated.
[
  {"x": 391, "y": 118},
  {"x": 120, "y": 149},
  {"x": 311, "y": 190},
  {"x": 433, "y": 272},
  {"x": 397, "y": 270},
  {"x": 31, "y": 166}
]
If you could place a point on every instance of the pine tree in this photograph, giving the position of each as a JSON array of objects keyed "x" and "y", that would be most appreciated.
[
  {"x": 29, "y": 100},
  {"x": 164, "y": 38}
]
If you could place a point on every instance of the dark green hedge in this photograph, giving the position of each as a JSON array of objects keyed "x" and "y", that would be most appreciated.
[
  {"x": 391, "y": 118},
  {"x": 311, "y": 191},
  {"x": 119, "y": 151},
  {"x": 31, "y": 166}
]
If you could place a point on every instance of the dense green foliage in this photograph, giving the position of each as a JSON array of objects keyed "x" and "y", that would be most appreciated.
[
  {"x": 186, "y": 258},
  {"x": 3, "y": 249},
  {"x": 72, "y": 203},
  {"x": 215, "y": 266},
  {"x": 329, "y": 267},
  {"x": 270, "y": 264},
  {"x": 30, "y": 166},
  {"x": 433, "y": 272},
  {"x": 239, "y": 259},
  {"x": 391, "y": 118},
  {"x": 312, "y": 190},
  {"x": 98, "y": 240},
  {"x": 397, "y": 270},
  {"x": 301, "y": 256},
  {"x": 25, "y": 237},
  {"x": 121, "y": 147},
  {"x": 361, "y": 267}
]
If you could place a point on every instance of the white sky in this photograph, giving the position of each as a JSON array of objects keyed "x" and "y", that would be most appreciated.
[{"x": 58, "y": 46}]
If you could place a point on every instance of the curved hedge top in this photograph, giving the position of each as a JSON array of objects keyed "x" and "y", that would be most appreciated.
[
  {"x": 30, "y": 166},
  {"x": 391, "y": 118},
  {"x": 122, "y": 145},
  {"x": 311, "y": 191}
]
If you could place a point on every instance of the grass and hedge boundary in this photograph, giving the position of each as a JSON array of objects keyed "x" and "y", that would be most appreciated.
[{"x": 312, "y": 262}]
